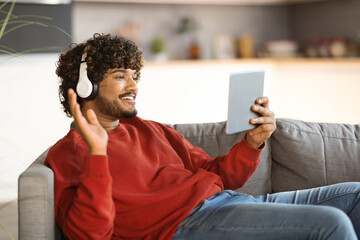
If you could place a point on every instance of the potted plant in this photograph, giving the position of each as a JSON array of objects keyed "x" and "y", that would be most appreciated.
[{"x": 158, "y": 48}]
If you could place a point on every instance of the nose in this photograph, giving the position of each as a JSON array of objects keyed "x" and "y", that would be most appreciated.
[{"x": 131, "y": 85}]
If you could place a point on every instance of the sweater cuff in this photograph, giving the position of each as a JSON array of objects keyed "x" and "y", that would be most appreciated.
[
  {"x": 96, "y": 165},
  {"x": 249, "y": 152}
]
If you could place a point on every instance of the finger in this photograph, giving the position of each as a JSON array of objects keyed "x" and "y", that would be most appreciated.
[
  {"x": 71, "y": 97},
  {"x": 74, "y": 106},
  {"x": 265, "y": 130},
  {"x": 264, "y": 111},
  {"x": 263, "y": 120},
  {"x": 264, "y": 101},
  {"x": 75, "y": 109}
]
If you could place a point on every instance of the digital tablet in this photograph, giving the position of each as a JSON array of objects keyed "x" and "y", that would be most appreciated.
[{"x": 244, "y": 89}]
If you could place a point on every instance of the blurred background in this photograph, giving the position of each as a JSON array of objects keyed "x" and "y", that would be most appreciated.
[{"x": 309, "y": 49}]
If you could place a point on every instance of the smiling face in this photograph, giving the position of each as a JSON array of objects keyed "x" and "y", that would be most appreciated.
[{"x": 117, "y": 94}]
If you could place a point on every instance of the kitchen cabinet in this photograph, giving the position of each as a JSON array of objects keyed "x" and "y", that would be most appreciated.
[{"x": 210, "y": 2}]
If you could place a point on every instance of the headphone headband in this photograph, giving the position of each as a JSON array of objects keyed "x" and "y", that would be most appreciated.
[{"x": 83, "y": 57}]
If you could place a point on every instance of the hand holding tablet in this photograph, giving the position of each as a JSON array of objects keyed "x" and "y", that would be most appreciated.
[{"x": 248, "y": 109}]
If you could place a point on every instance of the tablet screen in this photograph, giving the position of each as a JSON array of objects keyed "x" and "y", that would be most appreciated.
[{"x": 244, "y": 89}]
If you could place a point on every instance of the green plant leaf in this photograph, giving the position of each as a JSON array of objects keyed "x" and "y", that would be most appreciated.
[
  {"x": 7, "y": 52},
  {"x": 61, "y": 30},
  {"x": 6, "y": 12},
  {"x": 25, "y": 15},
  {"x": 6, "y": 232},
  {"x": 23, "y": 25},
  {"x": 158, "y": 45},
  {"x": 15, "y": 54},
  {"x": 12, "y": 17},
  {"x": 7, "y": 19},
  {"x": 32, "y": 16},
  {"x": 22, "y": 21},
  {"x": 2, "y": 47},
  {"x": 4, "y": 4}
]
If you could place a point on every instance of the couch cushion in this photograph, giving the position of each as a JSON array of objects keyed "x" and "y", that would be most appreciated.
[
  {"x": 308, "y": 154},
  {"x": 213, "y": 139}
]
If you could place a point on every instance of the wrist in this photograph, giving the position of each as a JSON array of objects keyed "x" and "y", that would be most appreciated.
[
  {"x": 252, "y": 143},
  {"x": 98, "y": 151}
]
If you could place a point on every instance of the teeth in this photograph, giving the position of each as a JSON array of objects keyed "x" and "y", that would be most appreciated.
[{"x": 128, "y": 98}]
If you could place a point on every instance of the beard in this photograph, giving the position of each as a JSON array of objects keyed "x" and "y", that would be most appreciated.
[{"x": 113, "y": 108}]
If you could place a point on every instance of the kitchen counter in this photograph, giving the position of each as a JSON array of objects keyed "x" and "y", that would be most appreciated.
[{"x": 257, "y": 61}]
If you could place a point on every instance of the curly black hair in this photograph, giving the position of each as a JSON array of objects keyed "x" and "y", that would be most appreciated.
[{"x": 104, "y": 52}]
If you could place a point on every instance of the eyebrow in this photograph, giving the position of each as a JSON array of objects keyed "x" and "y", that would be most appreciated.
[{"x": 121, "y": 70}]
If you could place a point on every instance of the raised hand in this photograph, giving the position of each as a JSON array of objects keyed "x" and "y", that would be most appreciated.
[
  {"x": 90, "y": 129},
  {"x": 267, "y": 123}
]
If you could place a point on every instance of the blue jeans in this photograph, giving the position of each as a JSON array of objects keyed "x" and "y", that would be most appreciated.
[{"x": 331, "y": 212}]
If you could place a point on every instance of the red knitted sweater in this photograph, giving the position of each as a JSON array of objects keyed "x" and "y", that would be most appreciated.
[{"x": 150, "y": 181}]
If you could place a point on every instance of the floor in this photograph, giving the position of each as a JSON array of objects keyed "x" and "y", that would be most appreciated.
[{"x": 8, "y": 221}]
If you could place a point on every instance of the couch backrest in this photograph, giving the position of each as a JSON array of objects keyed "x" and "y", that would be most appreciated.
[
  {"x": 213, "y": 139},
  {"x": 307, "y": 155}
]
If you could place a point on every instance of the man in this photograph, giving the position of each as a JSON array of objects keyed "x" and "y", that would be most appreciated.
[{"x": 118, "y": 176}]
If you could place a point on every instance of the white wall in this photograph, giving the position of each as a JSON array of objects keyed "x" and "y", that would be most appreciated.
[
  {"x": 323, "y": 91},
  {"x": 31, "y": 118}
]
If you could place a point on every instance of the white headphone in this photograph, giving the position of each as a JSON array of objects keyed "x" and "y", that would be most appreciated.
[{"x": 85, "y": 88}]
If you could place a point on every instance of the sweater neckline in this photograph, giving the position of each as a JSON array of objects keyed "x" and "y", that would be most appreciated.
[{"x": 118, "y": 130}]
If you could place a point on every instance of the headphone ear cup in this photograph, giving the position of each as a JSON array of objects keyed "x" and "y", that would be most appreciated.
[
  {"x": 85, "y": 88},
  {"x": 94, "y": 92}
]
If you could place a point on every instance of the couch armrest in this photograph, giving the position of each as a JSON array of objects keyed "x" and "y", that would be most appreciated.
[{"x": 36, "y": 201}]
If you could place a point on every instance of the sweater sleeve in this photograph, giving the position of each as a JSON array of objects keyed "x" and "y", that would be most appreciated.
[
  {"x": 84, "y": 208},
  {"x": 234, "y": 168}
]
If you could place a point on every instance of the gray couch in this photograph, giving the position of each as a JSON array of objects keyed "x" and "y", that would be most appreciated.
[{"x": 298, "y": 155}]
